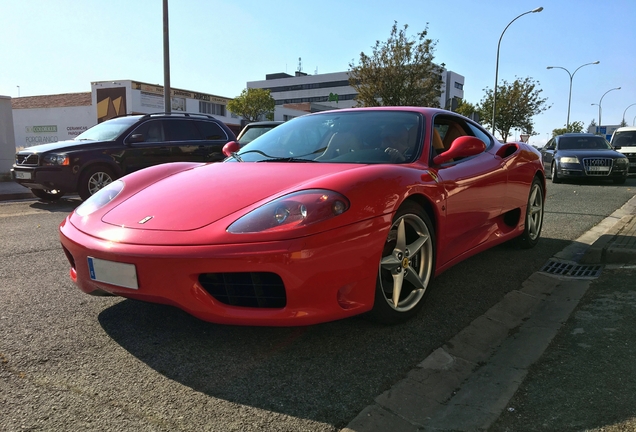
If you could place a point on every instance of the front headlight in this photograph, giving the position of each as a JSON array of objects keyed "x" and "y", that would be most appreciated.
[
  {"x": 55, "y": 159},
  {"x": 621, "y": 161},
  {"x": 291, "y": 211},
  {"x": 100, "y": 198},
  {"x": 570, "y": 159}
]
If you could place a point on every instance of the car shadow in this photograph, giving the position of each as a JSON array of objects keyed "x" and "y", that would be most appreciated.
[
  {"x": 63, "y": 204},
  {"x": 327, "y": 372}
]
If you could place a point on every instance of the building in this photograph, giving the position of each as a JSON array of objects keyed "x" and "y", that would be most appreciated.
[
  {"x": 51, "y": 118},
  {"x": 295, "y": 94}
]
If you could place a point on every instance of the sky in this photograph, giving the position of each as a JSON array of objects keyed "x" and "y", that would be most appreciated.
[{"x": 217, "y": 46}]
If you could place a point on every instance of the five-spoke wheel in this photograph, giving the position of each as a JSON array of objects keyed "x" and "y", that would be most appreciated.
[{"x": 406, "y": 267}]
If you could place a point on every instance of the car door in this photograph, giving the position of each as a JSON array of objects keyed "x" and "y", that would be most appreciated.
[
  {"x": 152, "y": 150},
  {"x": 547, "y": 154},
  {"x": 214, "y": 137},
  {"x": 475, "y": 188}
]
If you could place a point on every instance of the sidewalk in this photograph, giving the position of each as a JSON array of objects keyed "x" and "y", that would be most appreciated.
[{"x": 555, "y": 355}]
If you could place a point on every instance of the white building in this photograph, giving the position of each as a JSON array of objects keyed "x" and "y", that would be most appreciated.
[
  {"x": 51, "y": 118},
  {"x": 319, "y": 92}
]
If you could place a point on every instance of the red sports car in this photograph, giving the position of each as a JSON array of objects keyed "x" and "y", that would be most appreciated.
[{"x": 327, "y": 216}]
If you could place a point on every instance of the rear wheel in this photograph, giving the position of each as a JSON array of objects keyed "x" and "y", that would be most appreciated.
[
  {"x": 93, "y": 180},
  {"x": 49, "y": 195},
  {"x": 534, "y": 217},
  {"x": 406, "y": 267}
]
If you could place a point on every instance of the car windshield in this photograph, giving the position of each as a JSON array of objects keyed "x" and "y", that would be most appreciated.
[
  {"x": 363, "y": 136},
  {"x": 108, "y": 130},
  {"x": 624, "y": 139},
  {"x": 583, "y": 143}
]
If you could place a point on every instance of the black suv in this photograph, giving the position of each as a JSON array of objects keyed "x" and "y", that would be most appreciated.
[{"x": 117, "y": 147}]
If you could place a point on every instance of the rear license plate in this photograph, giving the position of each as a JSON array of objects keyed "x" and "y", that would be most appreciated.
[
  {"x": 114, "y": 273},
  {"x": 22, "y": 175},
  {"x": 598, "y": 168}
]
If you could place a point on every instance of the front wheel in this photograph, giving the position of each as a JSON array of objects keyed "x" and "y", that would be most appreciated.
[
  {"x": 553, "y": 173},
  {"x": 93, "y": 180},
  {"x": 534, "y": 216},
  {"x": 48, "y": 195},
  {"x": 406, "y": 267}
]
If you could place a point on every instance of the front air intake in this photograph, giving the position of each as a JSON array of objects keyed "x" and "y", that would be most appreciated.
[{"x": 255, "y": 290}]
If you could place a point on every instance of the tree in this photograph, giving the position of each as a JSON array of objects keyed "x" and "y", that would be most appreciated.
[
  {"x": 253, "y": 103},
  {"x": 575, "y": 127},
  {"x": 517, "y": 103},
  {"x": 399, "y": 72},
  {"x": 465, "y": 108}
]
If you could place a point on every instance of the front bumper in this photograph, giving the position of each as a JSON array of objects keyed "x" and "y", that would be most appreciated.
[
  {"x": 326, "y": 277},
  {"x": 577, "y": 171},
  {"x": 49, "y": 178}
]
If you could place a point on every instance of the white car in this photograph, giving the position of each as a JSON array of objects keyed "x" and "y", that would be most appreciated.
[{"x": 624, "y": 140}]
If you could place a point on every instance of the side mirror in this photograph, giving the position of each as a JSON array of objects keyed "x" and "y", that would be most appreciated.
[
  {"x": 462, "y": 147},
  {"x": 135, "y": 138},
  {"x": 231, "y": 147}
]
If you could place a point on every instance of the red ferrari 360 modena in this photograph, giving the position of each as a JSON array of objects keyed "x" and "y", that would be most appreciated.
[{"x": 327, "y": 216}]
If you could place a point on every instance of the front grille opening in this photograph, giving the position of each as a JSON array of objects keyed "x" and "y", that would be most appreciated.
[
  {"x": 256, "y": 290},
  {"x": 598, "y": 166},
  {"x": 69, "y": 257},
  {"x": 572, "y": 269}
]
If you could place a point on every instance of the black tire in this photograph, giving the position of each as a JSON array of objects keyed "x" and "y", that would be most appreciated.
[
  {"x": 93, "y": 179},
  {"x": 534, "y": 216},
  {"x": 620, "y": 180},
  {"x": 553, "y": 173},
  {"x": 48, "y": 195},
  {"x": 408, "y": 263}
]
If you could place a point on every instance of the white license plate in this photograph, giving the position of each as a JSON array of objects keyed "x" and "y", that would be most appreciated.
[
  {"x": 632, "y": 164},
  {"x": 598, "y": 168},
  {"x": 22, "y": 175},
  {"x": 114, "y": 273}
]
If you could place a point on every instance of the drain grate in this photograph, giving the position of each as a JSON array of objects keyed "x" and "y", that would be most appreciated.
[{"x": 572, "y": 270}]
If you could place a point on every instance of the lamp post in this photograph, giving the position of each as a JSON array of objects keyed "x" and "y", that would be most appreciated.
[
  {"x": 600, "y": 102},
  {"x": 567, "y": 125},
  {"x": 626, "y": 111},
  {"x": 167, "y": 105},
  {"x": 494, "y": 97}
]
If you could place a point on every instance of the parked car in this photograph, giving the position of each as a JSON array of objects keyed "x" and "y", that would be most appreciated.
[
  {"x": 253, "y": 130},
  {"x": 327, "y": 216},
  {"x": 118, "y": 147},
  {"x": 624, "y": 141},
  {"x": 582, "y": 155}
]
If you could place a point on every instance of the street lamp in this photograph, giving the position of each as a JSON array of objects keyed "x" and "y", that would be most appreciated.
[
  {"x": 567, "y": 125},
  {"x": 600, "y": 102},
  {"x": 494, "y": 97},
  {"x": 626, "y": 111}
]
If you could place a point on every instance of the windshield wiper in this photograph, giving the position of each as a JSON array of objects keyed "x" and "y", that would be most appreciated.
[{"x": 288, "y": 159}]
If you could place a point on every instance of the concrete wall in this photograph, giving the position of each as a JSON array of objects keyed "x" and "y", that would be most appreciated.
[{"x": 7, "y": 139}]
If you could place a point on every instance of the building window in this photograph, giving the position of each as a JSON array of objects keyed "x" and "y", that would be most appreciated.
[
  {"x": 212, "y": 108},
  {"x": 459, "y": 86}
]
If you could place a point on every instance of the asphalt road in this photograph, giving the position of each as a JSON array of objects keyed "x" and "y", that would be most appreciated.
[{"x": 69, "y": 361}]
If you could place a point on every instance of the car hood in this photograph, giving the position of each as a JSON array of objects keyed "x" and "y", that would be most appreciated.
[
  {"x": 191, "y": 199},
  {"x": 59, "y": 145},
  {"x": 580, "y": 153}
]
